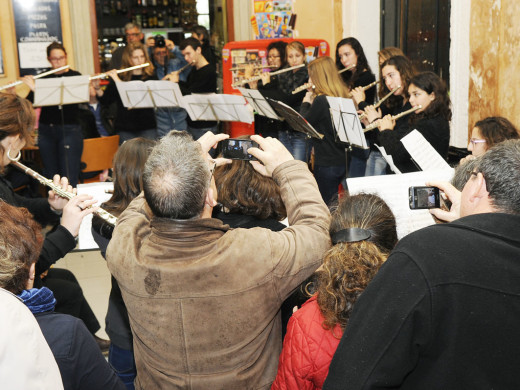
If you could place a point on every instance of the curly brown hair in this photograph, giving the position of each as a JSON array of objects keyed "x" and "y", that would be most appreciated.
[
  {"x": 20, "y": 246},
  {"x": 243, "y": 190},
  {"x": 348, "y": 267}
]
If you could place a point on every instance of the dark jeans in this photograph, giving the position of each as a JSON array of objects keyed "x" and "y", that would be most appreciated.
[
  {"x": 329, "y": 179},
  {"x": 296, "y": 143},
  {"x": 128, "y": 135},
  {"x": 69, "y": 297},
  {"x": 358, "y": 162},
  {"x": 123, "y": 363},
  {"x": 60, "y": 150}
]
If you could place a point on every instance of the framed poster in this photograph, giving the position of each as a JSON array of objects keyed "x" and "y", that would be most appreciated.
[
  {"x": 37, "y": 23},
  {"x": 272, "y": 19}
]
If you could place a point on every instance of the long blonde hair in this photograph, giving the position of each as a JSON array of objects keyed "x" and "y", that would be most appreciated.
[
  {"x": 126, "y": 61},
  {"x": 326, "y": 79}
]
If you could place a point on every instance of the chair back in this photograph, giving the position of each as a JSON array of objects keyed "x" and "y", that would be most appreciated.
[{"x": 98, "y": 154}]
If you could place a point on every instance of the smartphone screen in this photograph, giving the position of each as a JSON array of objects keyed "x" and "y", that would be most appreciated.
[
  {"x": 236, "y": 149},
  {"x": 424, "y": 198}
]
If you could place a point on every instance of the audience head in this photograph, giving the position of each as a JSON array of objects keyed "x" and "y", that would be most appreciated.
[
  {"x": 295, "y": 53},
  {"x": 135, "y": 54},
  {"x": 200, "y": 33},
  {"x": 17, "y": 120},
  {"x": 133, "y": 33},
  {"x": 396, "y": 71},
  {"x": 325, "y": 78},
  {"x": 490, "y": 131},
  {"x": 20, "y": 245},
  {"x": 276, "y": 54},
  {"x": 363, "y": 232},
  {"x": 350, "y": 52},
  {"x": 494, "y": 181},
  {"x": 242, "y": 190},
  {"x": 388, "y": 52},
  {"x": 176, "y": 177},
  {"x": 161, "y": 54},
  {"x": 429, "y": 91},
  {"x": 128, "y": 167}
]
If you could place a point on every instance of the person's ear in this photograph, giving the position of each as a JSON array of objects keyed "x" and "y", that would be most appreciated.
[
  {"x": 210, "y": 199},
  {"x": 32, "y": 274},
  {"x": 432, "y": 96}
]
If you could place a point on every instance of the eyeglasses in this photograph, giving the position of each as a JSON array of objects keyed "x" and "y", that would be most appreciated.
[
  {"x": 273, "y": 57},
  {"x": 132, "y": 34},
  {"x": 57, "y": 58},
  {"x": 474, "y": 141}
]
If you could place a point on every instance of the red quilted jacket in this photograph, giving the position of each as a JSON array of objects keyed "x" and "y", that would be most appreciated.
[{"x": 307, "y": 350}]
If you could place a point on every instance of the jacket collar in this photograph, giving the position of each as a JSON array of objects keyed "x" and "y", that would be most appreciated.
[
  {"x": 207, "y": 229},
  {"x": 505, "y": 226}
]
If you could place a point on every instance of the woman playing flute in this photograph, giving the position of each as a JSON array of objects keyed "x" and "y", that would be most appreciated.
[
  {"x": 60, "y": 138},
  {"x": 427, "y": 90},
  {"x": 136, "y": 122},
  {"x": 329, "y": 155},
  {"x": 396, "y": 72}
]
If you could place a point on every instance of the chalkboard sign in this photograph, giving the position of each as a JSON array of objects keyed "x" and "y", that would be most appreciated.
[{"x": 37, "y": 24}]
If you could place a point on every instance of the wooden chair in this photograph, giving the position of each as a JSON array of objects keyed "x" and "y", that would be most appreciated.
[{"x": 97, "y": 155}]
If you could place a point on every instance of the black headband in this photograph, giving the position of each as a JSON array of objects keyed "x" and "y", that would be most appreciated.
[{"x": 350, "y": 235}]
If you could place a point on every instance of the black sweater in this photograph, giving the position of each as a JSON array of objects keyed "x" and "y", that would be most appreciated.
[
  {"x": 51, "y": 115},
  {"x": 135, "y": 120},
  {"x": 436, "y": 130},
  {"x": 327, "y": 151},
  {"x": 364, "y": 79}
]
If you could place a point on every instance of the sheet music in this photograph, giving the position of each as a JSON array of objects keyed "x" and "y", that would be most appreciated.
[
  {"x": 257, "y": 100},
  {"x": 58, "y": 91},
  {"x": 98, "y": 191},
  {"x": 217, "y": 107},
  {"x": 164, "y": 93},
  {"x": 393, "y": 189},
  {"x": 294, "y": 119},
  {"x": 346, "y": 121},
  {"x": 388, "y": 158},
  {"x": 423, "y": 152}
]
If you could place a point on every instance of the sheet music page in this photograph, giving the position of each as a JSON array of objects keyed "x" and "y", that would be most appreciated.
[
  {"x": 61, "y": 91},
  {"x": 165, "y": 93},
  {"x": 423, "y": 152},
  {"x": 231, "y": 108},
  {"x": 346, "y": 121},
  {"x": 388, "y": 158},
  {"x": 393, "y": 189},
  {"x": 199, "y": 107},
  {"x": 98, "y": 191},
  {"x": 257, "y": 100},
  {"x": 134, "y": 94}
]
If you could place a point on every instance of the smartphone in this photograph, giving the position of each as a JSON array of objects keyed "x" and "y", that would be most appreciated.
[
  {"x": 424, "y": 198},
  {"x": 236, "y": 149}
]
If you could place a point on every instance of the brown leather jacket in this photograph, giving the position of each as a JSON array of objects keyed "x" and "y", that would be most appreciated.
[{"x": 203, "y": 299}]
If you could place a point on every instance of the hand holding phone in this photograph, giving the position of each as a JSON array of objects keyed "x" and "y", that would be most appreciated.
[
  {"x": 236, "y": 149},
  {"x": 423, "y": 197}
]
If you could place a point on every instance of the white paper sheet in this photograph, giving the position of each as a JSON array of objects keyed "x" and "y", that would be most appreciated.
[
  {"x": 257, "y": 100},
  {"x": 423, "y": 152},
  {"x": 99, "y": 192},
  {"x": 217, "y": 107},
  {"x": 61, "y": 91},
  {"x": 149, "y": 94},
  {"x": 393, "y": 189},
  {"x": 346, "y": 121},
  {"x": 388, "y": 158}
]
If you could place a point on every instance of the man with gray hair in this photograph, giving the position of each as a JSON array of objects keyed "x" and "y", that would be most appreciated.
[
  {"x": 443, "y": 312},
  {"x": 203, "y": 299},
  {"x": 133, "y": 33}
]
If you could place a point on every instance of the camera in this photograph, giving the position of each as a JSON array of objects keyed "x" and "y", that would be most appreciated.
[
  {"x": 424, "y": 198},
  {"x": 236, "y": 149},
  {"x": 159, "y": 41}
]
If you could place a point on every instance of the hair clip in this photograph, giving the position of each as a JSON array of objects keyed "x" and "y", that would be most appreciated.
[{"x": 350, "y": 235}]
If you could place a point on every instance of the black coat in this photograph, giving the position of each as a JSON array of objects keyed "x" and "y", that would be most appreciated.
[{"x": 443, "y": 312}]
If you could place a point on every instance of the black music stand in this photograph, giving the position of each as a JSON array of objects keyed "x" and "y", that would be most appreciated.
[
  {"x": 346, "y": 122},
  {"x": 294, "y": 119}
]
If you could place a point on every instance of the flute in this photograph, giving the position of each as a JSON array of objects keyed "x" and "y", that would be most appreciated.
[
  {"x": 372, "y": 126},
  {"x": 369, "y": 85},
  {"x": 303, "y": 88},
  {"x": 15, "y": 83},
  {"x": 103, "y": 75},
  {"x": 105, "y": 215},
  {"x": 238, "y": 67},
  {"x": 347, "y": 68},
  {"x": 362, "y": 116},
  {"x": 256, "y": 78},
  {"x": 184, "y": 67}
]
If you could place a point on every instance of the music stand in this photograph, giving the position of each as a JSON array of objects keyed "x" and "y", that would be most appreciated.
[
  {"x": 258, "y": 102},
  {"x": 217, "y": 107},
  {"x": 149, "y": 94},
  {"x": 346, "y": 121},
  {"x": 294, "y": 119}
]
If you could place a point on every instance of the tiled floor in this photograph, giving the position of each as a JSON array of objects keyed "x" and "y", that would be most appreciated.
[{"x": 91, "y": 270}]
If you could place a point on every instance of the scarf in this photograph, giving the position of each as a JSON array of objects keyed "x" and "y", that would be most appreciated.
[{"x": 38, "y": 300}]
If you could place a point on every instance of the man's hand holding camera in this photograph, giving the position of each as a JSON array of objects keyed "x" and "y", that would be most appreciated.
[{"x": 272, "y": 154}]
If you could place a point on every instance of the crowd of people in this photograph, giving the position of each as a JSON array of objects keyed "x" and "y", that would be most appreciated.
[{"x": 263, "y": 273}]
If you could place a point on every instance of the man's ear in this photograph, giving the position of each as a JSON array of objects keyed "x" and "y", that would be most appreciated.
[
  {"x": 210, "y": 199},
  {"x": 32, "y": 272}
]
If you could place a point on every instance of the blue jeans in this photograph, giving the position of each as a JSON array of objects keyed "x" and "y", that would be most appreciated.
[
  {"x": 123, "y": 363},
  {"x": 170, "y": 118},
  {"x": 297, "y": 143},
  {"x": 329, "y": 179},
  {"x": 128, "y": 135},
  {"x": 60, "y": 150},
  {"x": 196, "y": 133},
  {"x": 376, "y": 164},
  {"x": 358, "y": 162}
]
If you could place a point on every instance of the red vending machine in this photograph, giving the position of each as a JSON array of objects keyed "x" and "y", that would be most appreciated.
[{"x": 254, "y": 52}]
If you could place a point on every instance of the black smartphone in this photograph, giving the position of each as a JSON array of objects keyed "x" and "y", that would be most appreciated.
[
  {"x": 236, "y": 149},
  {"x": 424, "y": 198}
]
